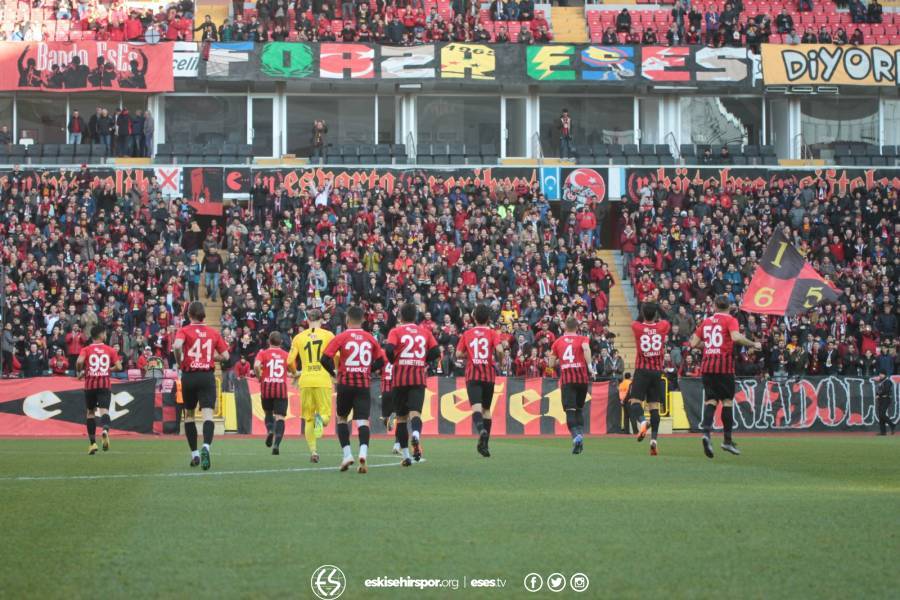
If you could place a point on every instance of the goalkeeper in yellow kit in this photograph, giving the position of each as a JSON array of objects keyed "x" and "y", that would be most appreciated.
[{"x": 315, "y": 382}]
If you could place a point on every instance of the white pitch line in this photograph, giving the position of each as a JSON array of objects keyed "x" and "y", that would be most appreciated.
[
  {"x": 114, "y": 452},
  {"x": 181, "y": 474}
]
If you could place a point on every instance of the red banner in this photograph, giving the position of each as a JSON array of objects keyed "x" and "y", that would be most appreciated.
[
  {"x": 86, "y": 67},
  {"x": 530, "y": 407}
]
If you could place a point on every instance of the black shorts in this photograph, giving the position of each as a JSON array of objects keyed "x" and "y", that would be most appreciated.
[
  {"x": 99, "y": 398},
  {"x": 408, "y": 399},
  {"x": 574, "y": 395},
  {"x": 198, "y": 387},
  {"x": 648, "y": 386},
  {"x": 387, "y": 404},
  {"x": 357, "y": 399},
  {"x": 480, "y": 392},
  {"x": 276, "y": 406},
  {"x": 718, "y": 386}
]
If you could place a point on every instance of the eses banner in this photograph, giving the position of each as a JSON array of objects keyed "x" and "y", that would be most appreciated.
[
  {"x": 522, "y": 406},
  {"x": 55, "y": 406},
  {"x": 86, "y": 67},
  {"x": 804, "y": 404}
]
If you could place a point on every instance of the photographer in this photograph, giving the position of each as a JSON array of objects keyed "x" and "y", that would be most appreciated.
[{"x": 883, "y": 397}]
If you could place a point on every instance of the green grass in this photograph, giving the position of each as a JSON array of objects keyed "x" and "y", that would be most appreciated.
[{"x": 794, "y": 517}]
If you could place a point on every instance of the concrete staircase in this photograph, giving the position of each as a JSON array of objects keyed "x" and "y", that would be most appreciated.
[
  {"x": 569, "y": 24},
  {"x": 622, "y": 308}
]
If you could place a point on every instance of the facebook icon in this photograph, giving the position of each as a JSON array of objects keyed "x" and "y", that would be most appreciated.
[
  {"x": 533, "y": 582},
  {"x": 550, "y": 182}
]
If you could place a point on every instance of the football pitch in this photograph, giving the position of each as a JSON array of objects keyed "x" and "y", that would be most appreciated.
[{"x": 793, "y": 517}]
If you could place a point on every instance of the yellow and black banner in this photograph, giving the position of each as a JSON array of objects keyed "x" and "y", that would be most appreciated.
[{"x": 827, "y": 64}]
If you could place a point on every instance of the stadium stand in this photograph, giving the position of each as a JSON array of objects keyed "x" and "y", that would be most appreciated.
[
  {"x": 723, "y": 23},
  {"x": 683, "y": 249},
  {"x": 75, "y": 256}
]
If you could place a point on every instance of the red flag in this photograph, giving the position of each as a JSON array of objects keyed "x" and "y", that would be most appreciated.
[{"x": 784, "y": 283}]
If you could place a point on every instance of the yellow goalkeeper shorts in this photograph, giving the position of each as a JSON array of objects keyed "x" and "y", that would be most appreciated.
[{"x": 315, "y": 401}]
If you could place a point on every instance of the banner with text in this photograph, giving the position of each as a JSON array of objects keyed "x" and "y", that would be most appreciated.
[
  {"x": 86, "y": 67},
  {"x": 827, "y": 64},
  {"x": 521, "y": 406},
  {"x": 55, "y": 406},
  {"x": 483, "y": 63},
  {"x": 808, "y": 403},
  {"x": 680, "y": 179}
]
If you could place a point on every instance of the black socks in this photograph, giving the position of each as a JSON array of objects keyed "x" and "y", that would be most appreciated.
[
  {"x": 478, "y": 421},
  {"x": 279, "y": 432},
  {"x": 575, "y": 422},
  {"x": 403, "y": 435},
  {"x": 654, "y": 423},
  {"x": 363, "y": 435},
  {"x": 343, "y": 433},
  {"x": 727, "y": 422},
  {"x": 190, "y": 432},
  {"x": 709, "y": 413},
  {"x": 415, "y": 424},
  {"x": 487, "y": 425},
  {"x": 92, "y": 429},
  {"x": 637, "y": 412},
  {"x": 270, "y": 422},
  {"x": 104, "y": 422},
  {"x": 209, "y": 428}
]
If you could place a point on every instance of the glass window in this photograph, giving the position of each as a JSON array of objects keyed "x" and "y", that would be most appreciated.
[
  {"x": 594, "y": 121},
  {"x": 350, "y": 120},
  {"x": 719, "y": 120},
  {"x": 470, "y": 120},
  {"x": 892, "y": 122},
  {"x": 825, "y": 121},
  {"x": 42, "y": 118},
  {"x": 206, "y": 119},
  {"x": 134, "y": 102},
  {"x": 387, "y": 120},
  {"x": 6, "y": 114}
]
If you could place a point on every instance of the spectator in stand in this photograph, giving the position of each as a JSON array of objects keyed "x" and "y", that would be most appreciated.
[
  {"x": 5, "y": 136},
  {"x": 824, "y": 36},
  {"x": 525, "y": 36},
  {"x": 712, "y": 24},
  {"x": 623, "y": 21},
  {"x": 784, "y": 23},
  {"x": 649, "y": 37},
  {"x": 209, "y": 31},
  {"x": 858, "y": 13},
  {"x": 840, "y": 37},
  {"x": 673, "y": 37},
  {"x": 875, "y": 12},
  {"x": 857, "y": 38},
  {"x": 753, "y": 38},
  {"x": 805, "y": 5},
  {"x": 526, "y": 11},
  {"x": 566, "y": 135},
  {"x": 149, "y": 130},
  {"x": 319, "y": 132},
  {"x": 809, "y": 36},
  {"x": 502, "y": 36},
  {"x": 609, "y": 37},
  {"x": 692, "y": 36},
  {"x": 124, "y": 127},
  {"x": 76, "y": 127}
]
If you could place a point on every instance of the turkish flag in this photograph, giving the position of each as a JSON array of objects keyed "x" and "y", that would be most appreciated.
[{"x": 784, "y": 283}]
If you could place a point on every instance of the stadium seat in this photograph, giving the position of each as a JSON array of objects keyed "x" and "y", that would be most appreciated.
[
  {"x": 212, "y": 154},
  {"x": 333, "y": 155},
  {"x": 662, "y": 150},
  {"x": 488, "y": 154},
  {"x": 229, "y": 154},
  {"x": 66, "y": 152},
  {"x": 665, "y": 160},
  {"x": 245, "y": 153},
  {"x": 634, "y": 159},
  {"x": 98, "y": 152},
  {"x": 399, "y": 154},
  {"x": 457, "y": 154},
  {"x": 440, "y": 154},
  {"x": 17, "y": 153},
  {"x": 366, "y": 154},
  {"x": 687, "y": 150},
  {"x": 349, "y": 154},
  {"x": 425, "y": 155},
  {"x": 646, "y": 149},
  {"x": 49, "y": 151},
  {"x": 164, "y": 153},
  {"x": 82, "y": 153},
  {"x": 382, "y": 154}
]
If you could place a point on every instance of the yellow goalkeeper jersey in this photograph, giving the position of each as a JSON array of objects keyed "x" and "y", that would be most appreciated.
[{"x": 308, "y": 346}]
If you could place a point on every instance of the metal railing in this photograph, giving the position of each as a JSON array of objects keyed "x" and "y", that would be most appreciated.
[
  {"x": 538, "y": 147},
  {"x": 411, "y": 146},
  {"x": 674, "y": 148},
  {"x": 805, "y": 150}
]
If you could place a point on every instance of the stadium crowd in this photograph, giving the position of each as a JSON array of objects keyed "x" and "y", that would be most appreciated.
[
  {"x": 682, "y": 248},
  {"x": 76, "y": 20},
  {"x": 78, "y": 254}
]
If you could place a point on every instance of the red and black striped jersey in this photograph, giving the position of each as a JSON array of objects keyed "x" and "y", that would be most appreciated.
[
  {"x": 718, "y": 347},
  {"x": 411, "y": 344},
  {"x": 199, "y": 343},
  {"x": 99, "y": 360},
  {"x": 479, "y": 344},
  {"x": 357, "y": 350},
  {"x": 650, "y": 339},
  {"x": 387, "y": 373},
  {"x": 572, "y": 362},
  {"x": 273, "y": 381}
]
